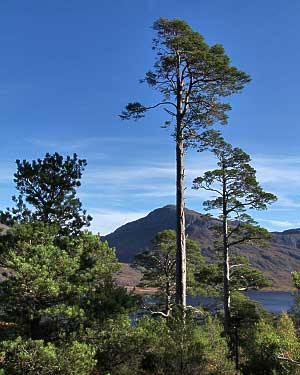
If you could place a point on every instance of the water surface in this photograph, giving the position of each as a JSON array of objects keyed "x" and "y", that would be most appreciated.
[{"x": 275, "y": 302}]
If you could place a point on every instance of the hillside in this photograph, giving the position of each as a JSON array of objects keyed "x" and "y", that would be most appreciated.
[{"x": 276, "y": 261}]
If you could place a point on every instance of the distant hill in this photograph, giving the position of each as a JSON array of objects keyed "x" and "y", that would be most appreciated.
[{"x": 276, "y": 261}]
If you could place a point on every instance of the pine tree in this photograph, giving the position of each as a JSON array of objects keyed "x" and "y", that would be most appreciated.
[
  {"x": 236, "y": 188},
  {"x": 158, "y": 266},
  {"x": 47, "y": 192},
  {"x": 192, "y": 78}
]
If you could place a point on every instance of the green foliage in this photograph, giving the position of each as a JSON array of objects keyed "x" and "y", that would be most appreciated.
[
  {"x": 296, "y": 279},
  {"x": 204, "y": 350},
  {"x": 156, "y": 346},
  {"x": 242, "y": 190},
  {"x": 237, "y": 190},
  {"x": 49, "y": 187},
  {"x": 49, "y": 290},
  {"x": 242, "y": 276},
  {"x": 273, "y": 350},
  {"x": 245, "y": 314},
  {"x": 52, "y": 295},
  {"x": 119, "y": 346},
  {"x": 35, "y": 357},
  {"x": 295, "y": 309},
  {"x": 200, "y": 74}
]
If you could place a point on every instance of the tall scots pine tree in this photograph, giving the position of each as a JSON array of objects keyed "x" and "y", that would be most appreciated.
[{"x": 191, "y": 78}]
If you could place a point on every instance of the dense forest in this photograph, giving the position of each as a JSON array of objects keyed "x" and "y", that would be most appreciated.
[{"x": 61, "y": 308}]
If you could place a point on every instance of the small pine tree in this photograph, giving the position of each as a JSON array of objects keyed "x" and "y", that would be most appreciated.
[
  {"x": 159, "y": 266},
  {"x": 47, "y": 190},
  {"x": 236, "y": 188}
]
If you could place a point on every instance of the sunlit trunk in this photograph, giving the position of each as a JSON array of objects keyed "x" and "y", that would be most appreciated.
[
  {"x": 180, "y": 219},
  {"x": 180, "y": 225},
  {"x": 226, "y": 275},
  {"x": 168, "y": 299}
]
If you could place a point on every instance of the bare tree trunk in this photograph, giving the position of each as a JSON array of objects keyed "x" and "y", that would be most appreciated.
[
  {"x": 226, "y": 280},
  {"x": 226, "y": 275},
  {"x": 180, "y": 238},
  {"x": 180, "y": 219},
  {"x": 168, "y": 299},
  {"x": 180, "y": 226}
]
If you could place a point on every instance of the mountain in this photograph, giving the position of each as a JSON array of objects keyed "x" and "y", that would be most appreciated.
[{"x": 276, "y": 260}]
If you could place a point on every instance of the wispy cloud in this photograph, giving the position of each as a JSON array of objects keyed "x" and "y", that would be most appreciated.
[
  {"x": 6, "y": 173},
  {"x": 129, "y": 174},
  {"x": 287, "y": 200},
  {"x": 143, "y": 180},
  {"x": 91, "y": 142},
  {"x": 281, "y": 224},
  {"x": 279, "y": 169},
  {"x": 106, "y": 221},
  {"x": 156, "y": 181}
]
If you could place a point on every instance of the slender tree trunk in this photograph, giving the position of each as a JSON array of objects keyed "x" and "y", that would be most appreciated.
[
  {"x": 226, "y": 279},
  {"x": 180, "y": 225},
  {"x": 180, "y": 218},
  {"x": 168, "y": 299},
  {"x": 180, "y": 239},
  {"x": 226, "y": 276}
]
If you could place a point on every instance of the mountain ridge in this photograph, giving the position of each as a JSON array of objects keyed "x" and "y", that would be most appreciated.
[{"x": 277, "y": 261}]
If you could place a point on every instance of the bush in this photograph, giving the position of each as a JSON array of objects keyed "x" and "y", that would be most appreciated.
[
  {"x": 35, "y": 357},
  {"x": 273, "y": 349},
  {"x": 159, "y": 346}
]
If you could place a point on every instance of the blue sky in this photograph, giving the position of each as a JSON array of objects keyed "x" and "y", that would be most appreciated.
[{"x": 68, "y": 68}]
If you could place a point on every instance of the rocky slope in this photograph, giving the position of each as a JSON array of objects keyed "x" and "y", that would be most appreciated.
[{"x": 277, "y": 260}]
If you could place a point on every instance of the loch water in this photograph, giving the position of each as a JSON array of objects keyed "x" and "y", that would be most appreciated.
[{"x": 275, "y": 302}]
